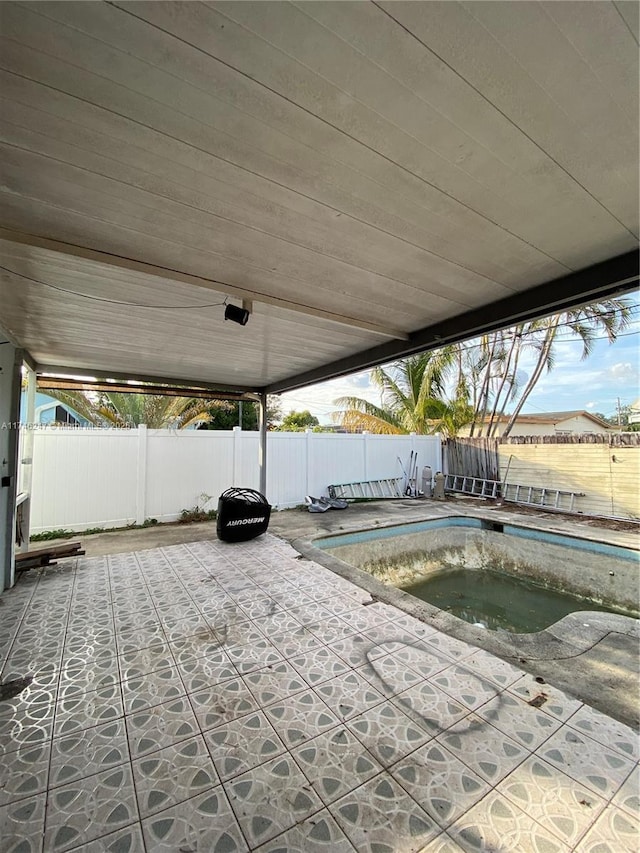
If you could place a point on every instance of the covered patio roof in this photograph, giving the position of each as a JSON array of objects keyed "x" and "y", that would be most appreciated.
[{"x": 376, "y": 178}]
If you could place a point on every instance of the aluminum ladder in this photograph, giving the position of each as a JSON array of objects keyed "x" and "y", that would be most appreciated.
[{"x": 369, "y": 489}]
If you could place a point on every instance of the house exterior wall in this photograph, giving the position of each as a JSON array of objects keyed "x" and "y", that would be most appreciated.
[{"x": 575, "y": 425}]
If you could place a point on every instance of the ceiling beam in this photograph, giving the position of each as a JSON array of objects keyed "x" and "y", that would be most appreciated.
[
  {"x": 46, "y": 371},
  {"x": 221, "y": 287},
  {"x": 599, "y": 281},
  {"x": 52, "y": 384}
]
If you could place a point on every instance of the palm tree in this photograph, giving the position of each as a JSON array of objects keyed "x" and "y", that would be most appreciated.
[
  {"x": 610, "y": 316},
  {"x": 412, "y": 399},
  {"x": 129, "y": 410}
]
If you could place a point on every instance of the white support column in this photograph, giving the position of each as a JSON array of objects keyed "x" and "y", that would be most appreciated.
[
  {"x": 262, "y": 447},
  {"x": 27, "y": 438},
  {"x": 237, "y": 456},
  {"x": 10, "y": 376},
  {"x": 141, "y": 482}
]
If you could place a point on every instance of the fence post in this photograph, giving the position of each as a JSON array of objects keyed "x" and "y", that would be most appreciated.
[
  {"x": 237, "y": 454},
  {"x": 307, "y": 463},
  {"x": 365, "y": 447},
  {"x": 141, "y": 494}
]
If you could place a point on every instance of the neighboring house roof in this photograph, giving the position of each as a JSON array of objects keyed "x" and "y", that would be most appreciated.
[{"x": 553, "y": 418}]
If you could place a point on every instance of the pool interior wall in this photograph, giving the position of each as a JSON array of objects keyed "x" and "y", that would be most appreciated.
[{"x": 402, "y": 555}]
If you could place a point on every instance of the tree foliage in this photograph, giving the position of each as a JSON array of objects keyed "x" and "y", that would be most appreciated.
[
  {"x": 298, "y": 421},
  {"x": 476, "y": 382},
  {"x": 413, "y": 399},
  {"x": 157, "y": 411},
  {"x": 489, "y": 368}
]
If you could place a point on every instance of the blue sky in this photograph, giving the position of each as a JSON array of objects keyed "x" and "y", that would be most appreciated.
[{"x": 611, "y": 372}]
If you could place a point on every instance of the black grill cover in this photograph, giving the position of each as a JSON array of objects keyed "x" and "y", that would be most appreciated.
[{"x": 242, "y": 514}]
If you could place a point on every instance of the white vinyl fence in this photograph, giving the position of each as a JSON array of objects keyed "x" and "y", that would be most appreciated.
[{"x": 111, "y": 477}]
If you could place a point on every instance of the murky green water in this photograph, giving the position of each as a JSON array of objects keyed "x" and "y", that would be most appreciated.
[{"x": 497, "y": 601}]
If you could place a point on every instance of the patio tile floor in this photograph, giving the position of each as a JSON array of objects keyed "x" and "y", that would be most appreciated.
[{"x": 236, "y": 697}]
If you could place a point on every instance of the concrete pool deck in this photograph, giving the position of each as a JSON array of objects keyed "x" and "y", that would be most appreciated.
[{"x": 205, "y": 696}]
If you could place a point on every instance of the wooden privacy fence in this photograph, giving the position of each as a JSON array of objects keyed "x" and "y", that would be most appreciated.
[{"x": 472, "y": 457}]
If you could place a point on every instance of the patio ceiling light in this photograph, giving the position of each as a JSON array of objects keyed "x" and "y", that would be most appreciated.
[{"x": 237, "y": 314}]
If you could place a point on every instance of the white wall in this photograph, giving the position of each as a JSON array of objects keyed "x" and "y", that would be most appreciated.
[{"x": 110, "y": 478}]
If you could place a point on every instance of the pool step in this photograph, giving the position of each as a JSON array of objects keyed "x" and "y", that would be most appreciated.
[{"x": 368, "y": 489}]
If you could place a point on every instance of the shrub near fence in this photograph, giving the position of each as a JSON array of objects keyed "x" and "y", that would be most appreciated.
[{"x": 111, "y": 478}]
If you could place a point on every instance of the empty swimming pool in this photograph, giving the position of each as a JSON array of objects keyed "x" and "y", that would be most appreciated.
[{"x": 500, "y": 576}]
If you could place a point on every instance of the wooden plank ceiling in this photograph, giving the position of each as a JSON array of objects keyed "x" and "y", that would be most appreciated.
[{"x": 359, "y": 170}]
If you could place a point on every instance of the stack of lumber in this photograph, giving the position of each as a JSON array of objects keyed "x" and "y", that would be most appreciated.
[{"x": 47, "y": 556}]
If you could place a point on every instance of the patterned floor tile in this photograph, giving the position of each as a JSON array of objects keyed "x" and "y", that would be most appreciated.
[
  {"x": 439, "y": 782},
  {"x": 429, "y": 706},
  {"x": 387, "y": 732},
  {"x": 256, "y": 655},
  {"x": 381, "y": 817},
  {"x": 185, "y": 625},
  {"x": 442, "y": 843},
  {"x": 349, "y": 695},
  {"x": 87, "y": 710},
  {"x": 455, "y": 649},
  {"x": 24, "y": 773},
  {"x": 280, "y": 622},
  {"x": 542, "y": 695},
  {"x": 496, "y": 824},
  {"x": 562, "y": 806},
  {"x": 203, "y": 823},
  {"x": 602, "y": 770},
  {"x": 29, "y": 703},
  {"x": 615, "y": 831},
  {"x": 172, "y": 775},
  {"x": 78, "y": 676},
  {"x": 271, "y": 798},
  {"x": 127, "y": 840},
  {"x": 21, "y": 731},
  {"x": 199, "y": 673},
  {"x": 138, "y": 663},
  {"x": 223, "y": 703},
  {"x": 298, "y": 641},
  {"x": 413, "y": 653},
  {"x": 311, "y": 613},
  {"x": 151, "y": 688},
  {"x": 355, "y": 650},
  {"x": 133, "y": 640},
  {"x": 274, "y": 683},
  {"x": 88, "y": 751},
  {"x": 22, "y": 825},
  {"x": 605, "y": 730},
  {"x": 317, "y": 834},
  {"x": 628, "y": 797},
  {"x": 335, "y": 763},
  {"x": 493, "y": 668},
  {"x": 83, "y": 811},
  {"x": 484, "y": 748},
  {"x": 388, "y": 675},
  {"x": 160, "y": 726},
  {"x": 244, "y": 743},
  {"x": 332, "y": 629},
  {"x": 319, "y": 665},
  {"x": 465, "y": 686},
  {"x": 300, "y": 717},
  {"x": 519, "y": 720}
]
